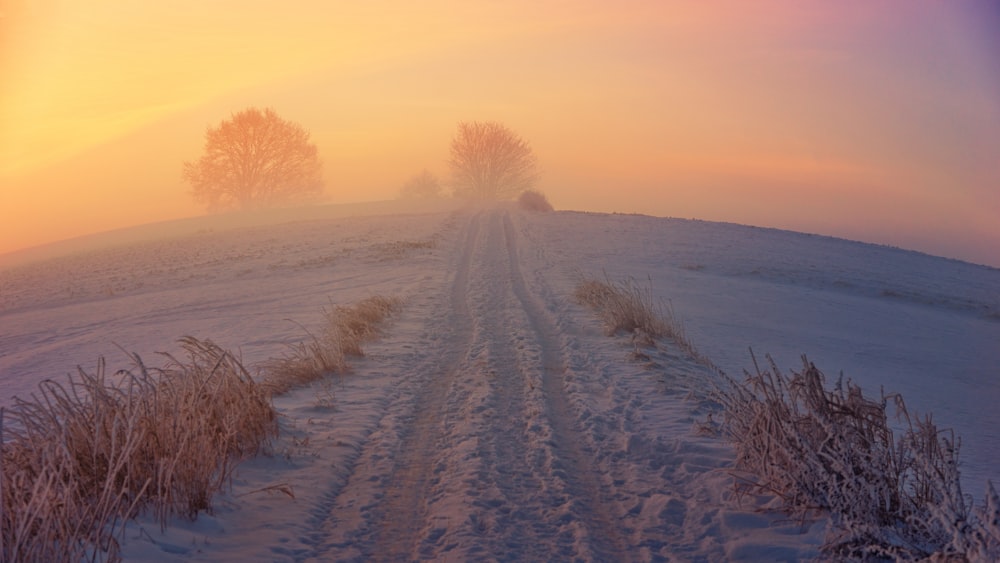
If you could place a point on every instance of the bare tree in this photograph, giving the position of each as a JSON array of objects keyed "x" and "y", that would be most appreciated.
[
  {"x": 489, "y": 161},
  {"x": 421, "y": 186},
  {"x": 255, "y": 159}
]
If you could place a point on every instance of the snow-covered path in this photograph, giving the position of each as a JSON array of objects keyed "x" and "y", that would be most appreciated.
[{"x": 490, "y": 462}]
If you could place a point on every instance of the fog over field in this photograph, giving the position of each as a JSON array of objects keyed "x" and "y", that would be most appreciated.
[{"x": 871, "y": 121}]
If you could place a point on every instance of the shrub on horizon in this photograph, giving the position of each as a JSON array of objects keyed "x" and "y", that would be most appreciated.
[{"x": 533, "y": 200}]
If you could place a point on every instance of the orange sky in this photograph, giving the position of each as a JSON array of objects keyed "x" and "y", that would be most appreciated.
[{"x": 877, "y": 121}]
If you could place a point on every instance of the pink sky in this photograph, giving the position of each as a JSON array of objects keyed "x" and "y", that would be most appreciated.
[{"x": 877, "y": 121}]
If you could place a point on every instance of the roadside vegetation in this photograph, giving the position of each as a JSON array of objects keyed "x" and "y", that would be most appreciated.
[
  {"x": 81, "y": 456},
  {"x": 890, "y": 485},
  {"x": 344, "y": 331},
  {"x": 628, "y": 307}
]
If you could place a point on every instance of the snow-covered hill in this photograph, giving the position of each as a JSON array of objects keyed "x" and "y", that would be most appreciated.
[{"x": 495, "y": 419}]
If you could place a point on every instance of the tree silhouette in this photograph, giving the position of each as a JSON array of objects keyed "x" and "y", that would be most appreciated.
[
  {"x": 255, "y": 159},
  {"x": 421, "y": 186},
  {"x": 489, "y": 161}
]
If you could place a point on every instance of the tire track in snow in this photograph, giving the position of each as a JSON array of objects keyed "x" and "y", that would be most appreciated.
[
  {"x": 403, "y": 511},
  {"x": 584, "y": 485},
  {"x": 379, "y": 513},
  {"x": 533, "y": 495},
  {"x": 513, "y": 512}
]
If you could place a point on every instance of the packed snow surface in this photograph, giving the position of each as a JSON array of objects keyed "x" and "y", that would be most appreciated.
[{"x": 495, "y": 419}]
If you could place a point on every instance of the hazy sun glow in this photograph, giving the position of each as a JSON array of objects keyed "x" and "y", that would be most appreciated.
[{"x": 875, "y": 121}]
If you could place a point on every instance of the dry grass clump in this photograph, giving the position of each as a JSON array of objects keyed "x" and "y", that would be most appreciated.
[
  {"x": 624, "y": 307},
  {"x": 362, "y": 323},
  {"x": 533, "y": 200},
  {"x": 303, "y": 363},
  {"x": 81, "y": 456},
  {"x": 627, "y": 307},
  {"x": 344, "y": 332},
  {"x": 890, "y": 496}
]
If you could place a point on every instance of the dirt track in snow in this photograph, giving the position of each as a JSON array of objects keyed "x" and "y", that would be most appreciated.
[{"x": 491, "y": 410}]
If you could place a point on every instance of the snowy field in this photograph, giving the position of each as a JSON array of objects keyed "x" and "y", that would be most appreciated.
[{"x": 495, "y": 420}]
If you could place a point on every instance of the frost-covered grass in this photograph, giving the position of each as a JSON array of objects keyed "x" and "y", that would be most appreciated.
[
  {"x": 628, "y": 307},
  {"x": 81, "y": 456},
  {"x": 890, "y": 495},
  {"x": 344, "y": 331},
  {"x": 624, "y": 307}
]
